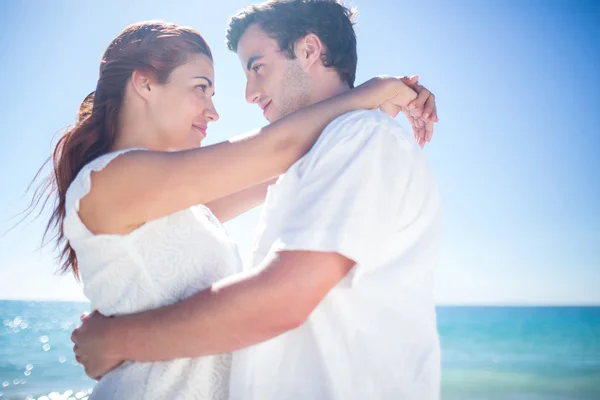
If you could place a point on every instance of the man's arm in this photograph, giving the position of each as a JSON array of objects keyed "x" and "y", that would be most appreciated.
[
  {"x": 344, "y": 209},
  {"x": 234, "y": 313}
]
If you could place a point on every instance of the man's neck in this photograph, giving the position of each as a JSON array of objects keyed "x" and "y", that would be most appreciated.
[{"x": 328, "y": 87}]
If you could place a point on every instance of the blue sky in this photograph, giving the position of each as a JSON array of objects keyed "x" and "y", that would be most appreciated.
[{"x": 515, "y": 153}]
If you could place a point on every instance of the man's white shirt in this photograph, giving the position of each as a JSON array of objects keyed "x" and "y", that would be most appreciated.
[{"x": 365, "y": 190}]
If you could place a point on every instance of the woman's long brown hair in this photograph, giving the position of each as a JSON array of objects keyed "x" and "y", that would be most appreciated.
[{"x": 153, "y": 47}]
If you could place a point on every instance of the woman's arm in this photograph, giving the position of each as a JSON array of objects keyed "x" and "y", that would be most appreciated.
[
  {"x": 238, "y": 203},
  {"x": 424, "y": 105},
  {"x": 141, "y": 186}
]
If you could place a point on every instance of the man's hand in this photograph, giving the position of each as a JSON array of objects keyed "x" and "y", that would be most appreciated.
[
  {"x": 421, "y": 112},
  {"x": 91, "y": 348}
]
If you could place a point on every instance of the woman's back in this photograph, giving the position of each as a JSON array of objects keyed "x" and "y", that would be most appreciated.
[{"x": 160, "y": 263}]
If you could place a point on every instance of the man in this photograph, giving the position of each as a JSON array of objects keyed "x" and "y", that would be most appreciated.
[{"x": 340, "y": 304}]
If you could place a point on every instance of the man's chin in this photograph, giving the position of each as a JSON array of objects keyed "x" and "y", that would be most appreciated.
[{"x": 277, "y": 117}]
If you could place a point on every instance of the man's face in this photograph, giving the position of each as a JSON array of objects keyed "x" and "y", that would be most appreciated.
[{"x": 274, "y": 82}]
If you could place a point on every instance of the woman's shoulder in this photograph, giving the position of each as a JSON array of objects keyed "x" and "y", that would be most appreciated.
[
  {"x": 102, "y": 161},
  {"x": 82, "y": 183}
]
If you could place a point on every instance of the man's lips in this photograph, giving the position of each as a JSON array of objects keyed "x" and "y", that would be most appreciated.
[{"x": 265, "y": 108}]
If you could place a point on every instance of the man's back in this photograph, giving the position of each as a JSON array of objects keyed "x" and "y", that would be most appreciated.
[{"x": 365, "y": 191}]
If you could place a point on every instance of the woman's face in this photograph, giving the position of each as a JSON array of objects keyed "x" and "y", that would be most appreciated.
[{"x": 182, "y": 107}]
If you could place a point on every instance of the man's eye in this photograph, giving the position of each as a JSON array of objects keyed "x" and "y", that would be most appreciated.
[{"x": 256, "y": 67}]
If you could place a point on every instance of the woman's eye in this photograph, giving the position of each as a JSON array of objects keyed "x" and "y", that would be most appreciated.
[{"x": 202, "y": 87}]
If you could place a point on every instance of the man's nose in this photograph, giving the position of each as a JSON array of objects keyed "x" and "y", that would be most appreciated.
[{"x": 252, "y": 92}]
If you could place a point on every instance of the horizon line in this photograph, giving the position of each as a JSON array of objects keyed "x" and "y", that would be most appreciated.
[{"x": 441, "y": 304}]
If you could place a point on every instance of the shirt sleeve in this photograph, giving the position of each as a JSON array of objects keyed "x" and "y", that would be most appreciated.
[{"x": 349, "y": 190}]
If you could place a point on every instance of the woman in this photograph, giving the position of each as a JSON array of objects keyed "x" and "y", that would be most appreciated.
[{"x": 135, "y": 190}]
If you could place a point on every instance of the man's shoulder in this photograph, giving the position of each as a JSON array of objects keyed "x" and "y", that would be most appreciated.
[
  {"x": 363, "y": 127},
  {"x": 364, "y": 131},
  {"x": 361, "y": 119}
]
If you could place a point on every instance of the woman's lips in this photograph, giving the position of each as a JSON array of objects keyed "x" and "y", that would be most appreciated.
[{"x": 201, "y": 129}]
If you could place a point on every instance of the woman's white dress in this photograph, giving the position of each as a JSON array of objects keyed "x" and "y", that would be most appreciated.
[{"x": 160, "y": 263}]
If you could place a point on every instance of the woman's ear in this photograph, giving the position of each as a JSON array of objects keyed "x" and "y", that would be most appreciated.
[{"x": 141, "y": 83}]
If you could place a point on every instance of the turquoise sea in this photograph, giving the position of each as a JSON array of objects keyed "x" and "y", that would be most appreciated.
[{"x": 489, "y": 353}]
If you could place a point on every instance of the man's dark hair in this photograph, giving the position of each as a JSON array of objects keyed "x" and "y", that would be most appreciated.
[{"x": 289, "y": 20}]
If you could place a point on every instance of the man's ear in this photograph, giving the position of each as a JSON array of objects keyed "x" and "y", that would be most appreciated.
[
  {"x": 308, "y": 50},
  {"x": 141, "y": 83}
]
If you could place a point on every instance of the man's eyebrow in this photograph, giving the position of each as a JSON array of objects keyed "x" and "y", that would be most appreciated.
[
  {"x": 210, "y": 84},
  {"x": 251, "y": 61}
]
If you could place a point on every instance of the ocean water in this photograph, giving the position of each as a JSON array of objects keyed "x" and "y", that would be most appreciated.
[
  {"x": 520, "y": 353},
  {"x": 489, "y": 353}
]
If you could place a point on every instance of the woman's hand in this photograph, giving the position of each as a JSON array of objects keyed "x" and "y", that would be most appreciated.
[
  {"x": 421, "y": 112},
  {"x": 404, "y": 94}
]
